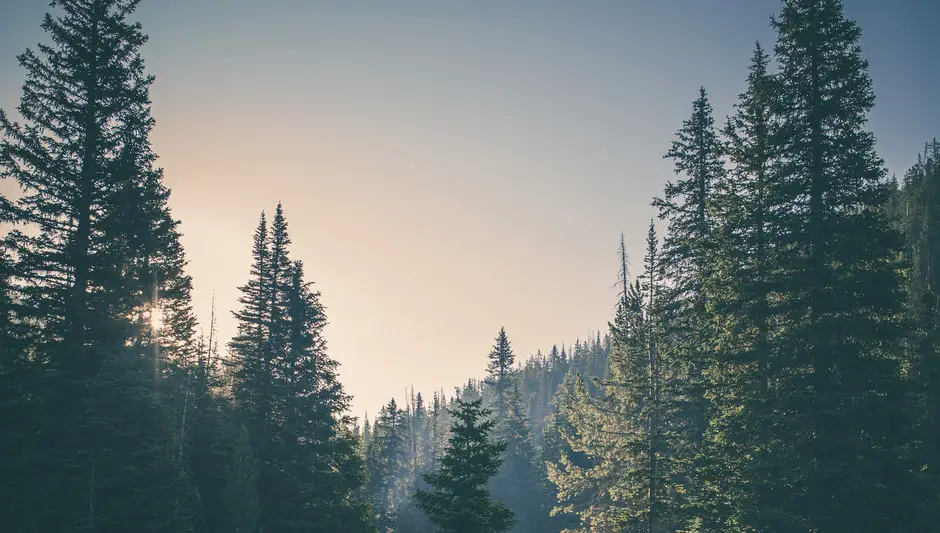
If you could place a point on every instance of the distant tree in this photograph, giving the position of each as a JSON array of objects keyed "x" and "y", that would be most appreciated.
[
  {"x": 365, "y": 436},
  {"x": 919, "y": 218},
  {"x": 518, "y": 484},
  {"x": 387, "y": 464},
  {"x": 500, "y": 370},
  {"x": 459, "y": 501}
]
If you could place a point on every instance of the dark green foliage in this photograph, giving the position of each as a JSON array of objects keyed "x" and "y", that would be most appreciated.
[
  {"x": 686, "y": 204},
  {"x": 98, "y": 253},
  {"x": 834, "y": 382},
  {"x": 735, "y": 443},
  {"x": 224, "y": 469},
  {"x": 286, "y": 389},
  {"x": 773, "y": 369},
  {"x": 688, "y": 261},
  {"x": 459, "y": 501}
]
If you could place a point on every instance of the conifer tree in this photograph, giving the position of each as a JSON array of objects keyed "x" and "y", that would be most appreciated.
[
  {"x": 739, "y": 308},
  {"x": 518, "y": 483},
  {"x": 834, "y": 377},
  {"x": 920, "y": 221},
  {"x": 252, "y": 360},
  {"x": 559, "y": 457},
  {"x": 500, "y": 371},
  {"x": 99, "y": 262},
  {"x": 688, "y": 256},
  {"x": 459, "y": 501},
  {"x": 288, "y": 392},
  {"x": 632, "y": 432},
  {"x": 387, "y": 463},
  {"x": 366, "y": 435}
]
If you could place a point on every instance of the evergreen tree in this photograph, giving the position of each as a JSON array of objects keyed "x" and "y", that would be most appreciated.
[
  {"x": 387, "y": 463},
  {"x": 632, "y": 433},
  {"x": 288, "y": 392},
  {"x": 251, "y": 358},
  {"x": 320, "y": 445},
  {"x": 739, "y": 309},
  {"x": 519, "y": 483},
  {"x": 560, "y": 457},
  {"x": 920, "y": 220},
  {"x": 98, "y": 266},
  {"x": 366, "y": 435},
  {"x": 459, "y": 501},
  {"x": 833, "y": 374},
  {"x": 439, "y": 425},
  {"x": 500, "y": 371},
  {"x": 688, "y": 262}
]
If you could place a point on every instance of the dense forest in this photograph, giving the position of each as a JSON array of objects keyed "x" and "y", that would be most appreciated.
[{"x": 772, "y": 365}]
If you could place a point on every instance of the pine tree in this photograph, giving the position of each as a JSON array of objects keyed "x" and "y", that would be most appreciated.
[
  {"x": 560, "y": 457},
  {"x": 251, "y": 358},
  {"x": 633, "y": 432},
  {"x": 500, "y": 371},
  {"x": 920, "y": 221},
  {"x": 739, "y": 309},
  {"x": 833, "y": 376},
  {"x": 459, "y": 501},
  {"x": 688, "y": 259},
  {"x": 519, "y": 483},
  {"x": 320, "y": 446},
  {"x": 387, "y": 463},
  {"x": 100, "y": 256},
  {"x": 439, "y": 426},
  {"x": 366, "y": 435},
  {"x": 288, "y": 392},
  {"x": 686, "y": 204}
]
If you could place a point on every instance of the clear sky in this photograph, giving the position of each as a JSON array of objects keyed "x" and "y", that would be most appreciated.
[{"x": 450, "y": 167}]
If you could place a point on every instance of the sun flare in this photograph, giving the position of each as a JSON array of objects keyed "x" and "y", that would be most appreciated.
[{"x": 156, "y": 319}]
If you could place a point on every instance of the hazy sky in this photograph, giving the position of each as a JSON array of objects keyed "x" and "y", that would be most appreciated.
[{"x": 449, "y": 167}]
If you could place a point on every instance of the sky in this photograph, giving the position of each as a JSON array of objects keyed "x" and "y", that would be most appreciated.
[{"x": 449, "y": 168}]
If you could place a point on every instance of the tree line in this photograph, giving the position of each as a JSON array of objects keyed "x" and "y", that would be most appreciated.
[{"x": 772, "y": 365}]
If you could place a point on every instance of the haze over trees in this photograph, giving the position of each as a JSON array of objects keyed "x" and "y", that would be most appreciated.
[{"x": 773, "y": 363}]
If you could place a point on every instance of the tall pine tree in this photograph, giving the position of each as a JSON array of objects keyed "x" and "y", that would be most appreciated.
[
  {"x": 833, "y": 375},
  {"x": 287, "y": 390},
  {"x": 97, "y": 269}
]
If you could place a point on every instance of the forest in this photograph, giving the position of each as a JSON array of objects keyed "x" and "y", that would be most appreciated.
[{"x": 773, "y": 364}]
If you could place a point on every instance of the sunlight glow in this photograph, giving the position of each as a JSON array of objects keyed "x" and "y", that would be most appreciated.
[{"x": 156, "y": 318}]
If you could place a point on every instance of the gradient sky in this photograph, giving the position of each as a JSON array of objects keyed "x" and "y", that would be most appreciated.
[{"x": 449, "y": 167}]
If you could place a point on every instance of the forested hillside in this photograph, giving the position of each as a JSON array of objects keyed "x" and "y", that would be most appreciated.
[{"x": 772, "y": 364}]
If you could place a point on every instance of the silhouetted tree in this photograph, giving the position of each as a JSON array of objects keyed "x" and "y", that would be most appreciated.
[
  {"x": 286, "y": 387},
  {"x": 98, "y": 262}
]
